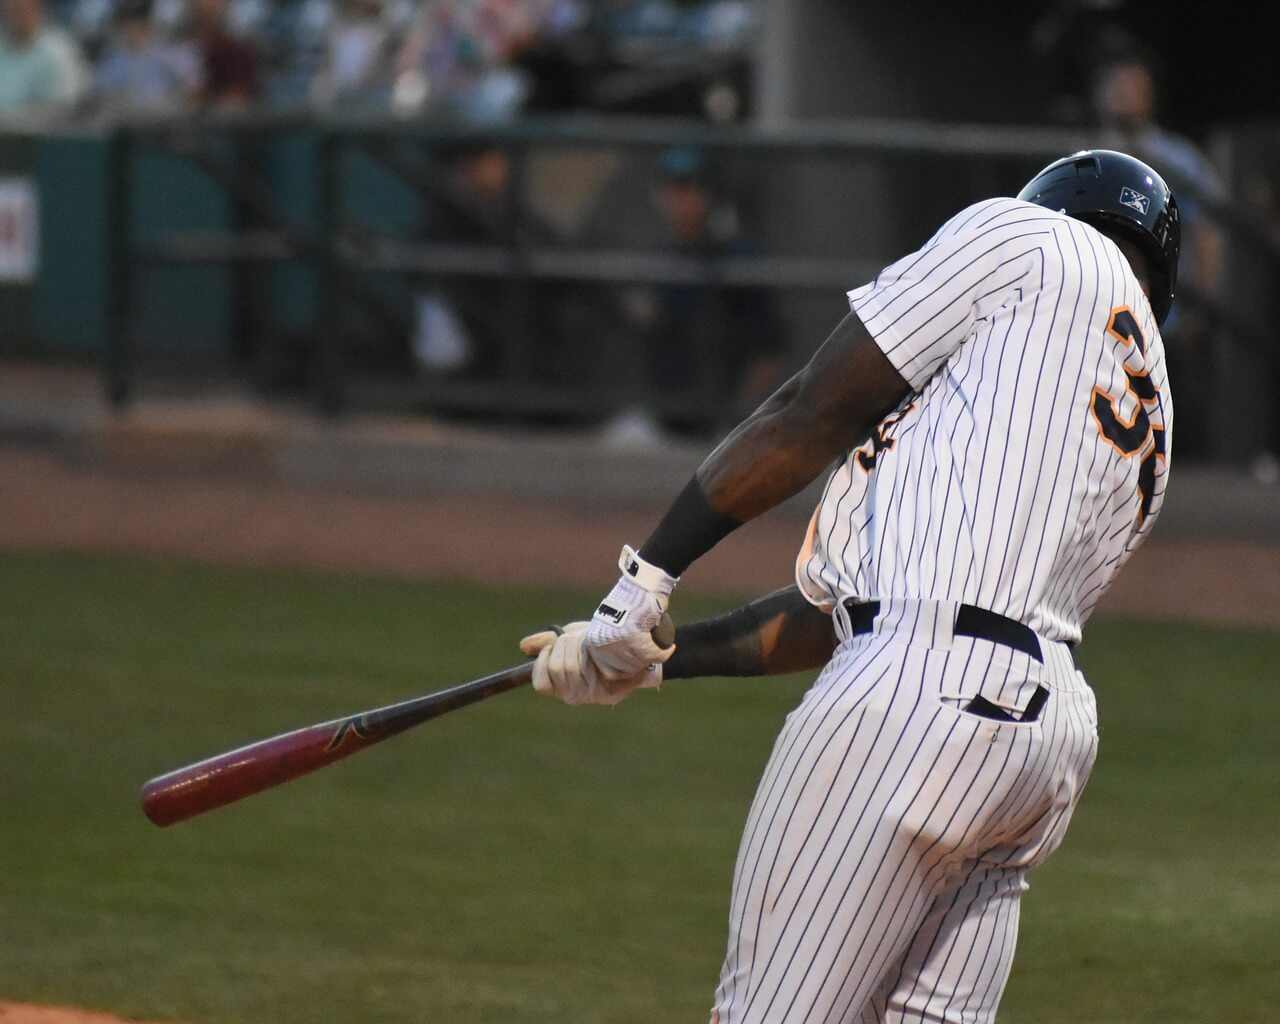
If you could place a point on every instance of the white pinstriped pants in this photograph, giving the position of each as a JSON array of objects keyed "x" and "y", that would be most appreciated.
[{"x": 882, "y": 863}]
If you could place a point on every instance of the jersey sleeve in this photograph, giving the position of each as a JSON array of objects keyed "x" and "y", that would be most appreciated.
[{"x": 921, "y": 309}]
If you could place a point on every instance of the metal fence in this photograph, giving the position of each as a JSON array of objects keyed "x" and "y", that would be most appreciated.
[{"x": 346, "y": 256}]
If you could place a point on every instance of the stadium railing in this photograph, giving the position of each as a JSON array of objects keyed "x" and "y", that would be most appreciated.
[{"x": 346, "y": 257}]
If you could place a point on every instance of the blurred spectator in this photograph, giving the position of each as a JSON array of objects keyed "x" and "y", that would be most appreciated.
[
  {"x": 453, "y": 333},
  {"x": 467, "y": 325},
  {"x": 139, "y": 71},
  {"x": 1123, "y": 94},
  {"x": 460, "y": 325},
  {"x": 559, "y": 59},
  {"x": 1253, "y": 284},
  {"x": 89, "y": 22},
  {"x": 41, "y": 69},
  {"x": 229, "y": 65},
  {"x": 724, "y": 343},
  {"x": 357, "y": 58},
  {"x": 460, "y": 57}
]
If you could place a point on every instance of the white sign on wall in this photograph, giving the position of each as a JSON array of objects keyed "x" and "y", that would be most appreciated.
[{"x": 19, "y": 230}]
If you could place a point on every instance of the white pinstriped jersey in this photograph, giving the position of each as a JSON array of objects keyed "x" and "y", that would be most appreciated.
[{"x": 1032, "y": 458}]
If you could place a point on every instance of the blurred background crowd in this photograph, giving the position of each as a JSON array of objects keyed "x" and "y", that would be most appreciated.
[
  {"x": 476, "y": 58},
  {"x": 650, "y": 287}
]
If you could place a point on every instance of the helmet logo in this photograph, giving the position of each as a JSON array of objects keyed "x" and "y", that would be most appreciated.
[{"x": 1134, "y": 200}]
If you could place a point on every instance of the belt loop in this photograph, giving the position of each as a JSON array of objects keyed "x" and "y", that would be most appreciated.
[{"x": 840, "y": 615}]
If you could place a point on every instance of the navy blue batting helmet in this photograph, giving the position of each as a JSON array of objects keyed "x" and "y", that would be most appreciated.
[{"x": 1118, "y": 194}]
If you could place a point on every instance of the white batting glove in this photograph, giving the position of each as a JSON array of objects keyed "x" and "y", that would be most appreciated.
[
  {"x": 618, "y": 635},
  {"x": 565, "y": 670}
]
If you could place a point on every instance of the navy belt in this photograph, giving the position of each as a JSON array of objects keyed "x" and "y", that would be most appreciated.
[
  {"x": 970, "y": 621},
  {"x": 983, "y": 625}
]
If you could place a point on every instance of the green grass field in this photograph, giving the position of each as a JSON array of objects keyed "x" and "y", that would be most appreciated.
[{"x": 523, "y": 862}]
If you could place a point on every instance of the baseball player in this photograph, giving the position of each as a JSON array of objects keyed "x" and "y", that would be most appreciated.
[{"x": 997, "y": 411}]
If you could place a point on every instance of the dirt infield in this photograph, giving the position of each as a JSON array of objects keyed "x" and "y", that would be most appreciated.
[
  {"x": 49, "y": 502},
  {"x": 25, "y": 1013}
]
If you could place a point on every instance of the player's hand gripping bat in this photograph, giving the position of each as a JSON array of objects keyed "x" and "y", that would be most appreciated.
[{"x": 225, "y": 778}]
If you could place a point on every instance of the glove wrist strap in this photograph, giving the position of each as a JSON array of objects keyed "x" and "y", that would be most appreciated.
[{"x": 645, "y": 574}]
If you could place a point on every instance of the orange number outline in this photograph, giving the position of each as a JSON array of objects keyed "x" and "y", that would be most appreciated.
[{"x": 1145, "y": 394}]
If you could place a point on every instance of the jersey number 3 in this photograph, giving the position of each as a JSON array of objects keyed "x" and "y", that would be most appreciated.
[{"x": 1137, "y": 436}]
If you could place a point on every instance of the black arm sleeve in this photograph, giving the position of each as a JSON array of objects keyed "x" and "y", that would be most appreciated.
[
  {"x": 728, "y": 645},
  {"x": 689, "y": 530},
  {"x": 733, "y": 644}
]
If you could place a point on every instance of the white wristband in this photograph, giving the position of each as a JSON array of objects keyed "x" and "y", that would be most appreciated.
[{"x": 645, "y": 574}]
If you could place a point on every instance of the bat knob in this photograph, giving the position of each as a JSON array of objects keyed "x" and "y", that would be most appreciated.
[{"x": 664, "y": 633}]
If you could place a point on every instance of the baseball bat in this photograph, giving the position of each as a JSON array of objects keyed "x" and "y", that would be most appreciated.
[{"x": 225, "y": 778}]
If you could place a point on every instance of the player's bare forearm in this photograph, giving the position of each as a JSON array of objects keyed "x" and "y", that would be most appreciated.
[
  {"x": 778, "y": 633},
  {"x": 845, "y": 389},
  {"x": 829, "y": 406}
]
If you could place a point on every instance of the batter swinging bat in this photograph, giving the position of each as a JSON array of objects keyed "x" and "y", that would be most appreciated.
[{"x": 225, "y": 778}]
